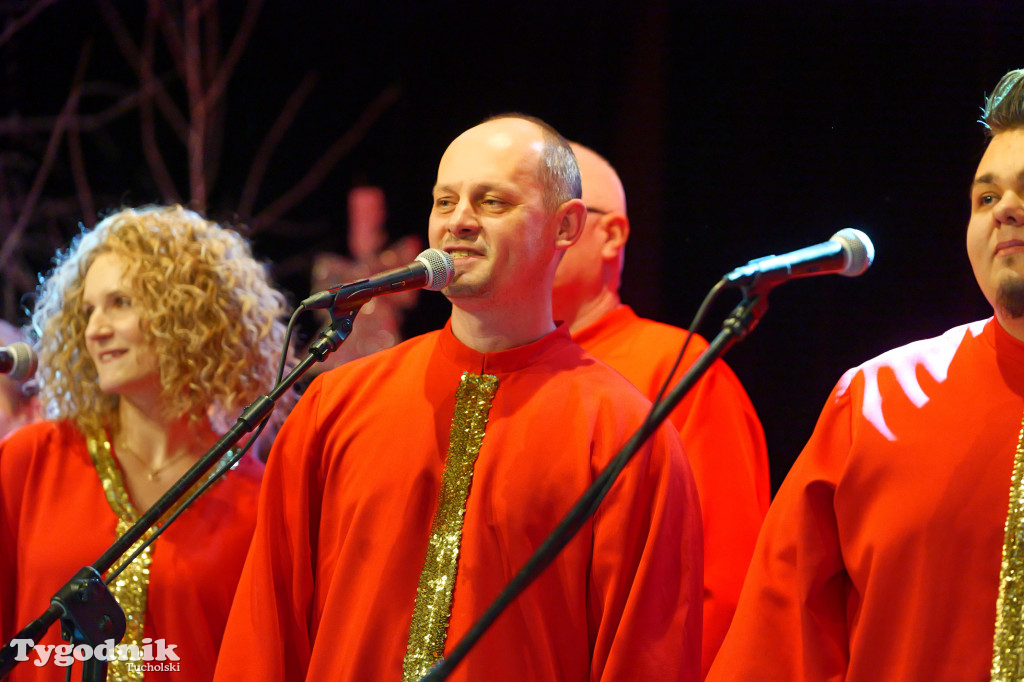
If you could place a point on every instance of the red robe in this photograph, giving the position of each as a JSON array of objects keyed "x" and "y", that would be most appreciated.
[
  {"x": 351, "y": 488},
  {"x": 723, "y": 440},
  {"x": 55, "y": 519},
  {"x": 880, "y": 555}
]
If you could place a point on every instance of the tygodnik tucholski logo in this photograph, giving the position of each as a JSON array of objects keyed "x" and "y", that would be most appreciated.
[{"x": 137, "y": 658}]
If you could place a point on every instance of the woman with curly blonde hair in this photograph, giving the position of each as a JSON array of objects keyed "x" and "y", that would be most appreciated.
[{"x": 154, "y": 330}]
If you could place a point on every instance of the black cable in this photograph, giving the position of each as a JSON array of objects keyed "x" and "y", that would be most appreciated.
[{"x": 698, "y": 319}]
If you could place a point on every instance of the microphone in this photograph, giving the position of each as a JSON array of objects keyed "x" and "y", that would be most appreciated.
[
  {"x": 433, "y": 269},
  {"x": 848, "y": 253},
  {"x": 18, "y": 360}
]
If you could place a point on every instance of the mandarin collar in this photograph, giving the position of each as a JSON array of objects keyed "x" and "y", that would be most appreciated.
[
  {"x": 614, "y": 318},
  {"x": 503, "y": 361},
  {"x": 1007, "y": 346}
]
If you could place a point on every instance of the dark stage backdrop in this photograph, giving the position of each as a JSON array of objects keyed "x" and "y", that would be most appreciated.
[{"x": 740, "y": 129}]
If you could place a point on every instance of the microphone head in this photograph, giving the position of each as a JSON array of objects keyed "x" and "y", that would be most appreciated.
[
  {"x": 440, "y": 268},
  {"x": 858, "y": 250},
  {"x": 25, "y": 361}
]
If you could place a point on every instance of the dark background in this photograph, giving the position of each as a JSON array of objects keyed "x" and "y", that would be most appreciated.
[{"x": 740, "y": 129}]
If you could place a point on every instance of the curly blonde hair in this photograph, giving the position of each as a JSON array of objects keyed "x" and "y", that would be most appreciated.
[{"x": 206, "y": 306}]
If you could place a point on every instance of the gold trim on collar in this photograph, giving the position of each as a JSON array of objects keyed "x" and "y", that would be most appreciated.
[{"x": 131, "y": 588}]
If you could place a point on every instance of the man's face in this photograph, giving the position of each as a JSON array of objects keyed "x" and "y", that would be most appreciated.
[
  {"x": 594, "y": 261},
  {"x": 995, "y": 234},
  {"x": 489, "y": 214}
]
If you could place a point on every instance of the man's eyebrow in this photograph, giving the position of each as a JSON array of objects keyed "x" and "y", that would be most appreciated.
[
  {"x": 986, "y": 179},
  {"x": 990, "y": 179},
  {"x": 477, "y": 189}
]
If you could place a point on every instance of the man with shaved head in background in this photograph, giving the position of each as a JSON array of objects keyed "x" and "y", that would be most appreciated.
[
  {"x": 408, "y": 487},
  {"x": 721, "y": 433}
]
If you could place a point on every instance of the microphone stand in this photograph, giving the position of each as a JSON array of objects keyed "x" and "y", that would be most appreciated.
[
  {"x": 88, "y": 612},
  {"x": 741, "y": 321}
]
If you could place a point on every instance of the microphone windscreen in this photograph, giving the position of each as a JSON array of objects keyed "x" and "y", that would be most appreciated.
[
  {"x": 440, "y": 268},
  {"x": 859, "y": 250},
  {"x": 24, "y": 361}
]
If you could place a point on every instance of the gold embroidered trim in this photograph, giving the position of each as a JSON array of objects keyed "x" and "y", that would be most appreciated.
[
  {"x": 131, "y": 588},
  {"x": 1008, "y": 644},
  {"x": 433, "y": 607}
]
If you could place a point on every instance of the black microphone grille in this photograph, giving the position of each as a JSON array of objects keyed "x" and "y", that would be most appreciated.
[
  {"x": 440, "y": 268},
  {"x": 859, "y": 251},
  {"x": 25, "y": 361}
]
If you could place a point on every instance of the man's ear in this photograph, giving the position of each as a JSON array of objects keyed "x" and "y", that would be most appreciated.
[
  {"x": 571, "y": 217},
  {"x": 615, "y": 228}
]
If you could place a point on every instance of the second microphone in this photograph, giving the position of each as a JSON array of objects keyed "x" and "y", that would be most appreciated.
[{"x": 433, "y": 269}]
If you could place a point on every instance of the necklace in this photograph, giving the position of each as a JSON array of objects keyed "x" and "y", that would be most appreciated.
[{"x": 151, "y": 473}]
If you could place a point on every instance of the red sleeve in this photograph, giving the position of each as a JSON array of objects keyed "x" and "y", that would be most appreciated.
[
  {"x": 268, "y": 634},
  {"x": 791, "y": 622},
  {"x": 725, "y": 444},
  {"x": 647, "y": 570},
  {"x": 12, "y": 480}
]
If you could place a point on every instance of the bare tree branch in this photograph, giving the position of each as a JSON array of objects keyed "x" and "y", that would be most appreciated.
[
  {"x": 17, "y": 24},
  {"x": 49, "y": 157},
  {"x": 150, "y": 147},
  {"x": 6, "y": 207},
  {"x": 238, "y": 45},
  {"x": 200, "y": 64},
  {"x": 211, "y": 42},
  {"x": 163, "y": 14},
  {"x": 261, "y": 161},
  {"x": 20, "y": 276},
  {"x": 131, "y": 53},
  {"x": 330, "y": 158},
  {"x": 126, "y": 101},
  {"x": 80, "y": 175},
  {"x": 197, "y": 106}
]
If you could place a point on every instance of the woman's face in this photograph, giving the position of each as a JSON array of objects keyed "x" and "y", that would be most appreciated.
[{"x": 125, "y": 362}]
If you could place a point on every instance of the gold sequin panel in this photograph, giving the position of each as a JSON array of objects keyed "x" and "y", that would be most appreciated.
[
  {"x": 131, "y": 588},
  {"x": 1008, "y": 647},
  {"x": 433, "y": 608}
]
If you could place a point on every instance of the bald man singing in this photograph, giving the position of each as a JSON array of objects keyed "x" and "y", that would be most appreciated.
[
  {"x": 721, "y": 433},
  {"x": 408, "y": 487}
]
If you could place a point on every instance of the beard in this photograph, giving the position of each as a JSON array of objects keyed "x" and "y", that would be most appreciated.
[{"x": 1010, "y": 297}]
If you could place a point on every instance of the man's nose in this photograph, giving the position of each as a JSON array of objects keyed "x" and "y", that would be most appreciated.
[
  {"x": 1010, "y": 209},
  {"x": 464, "y": 220}
]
